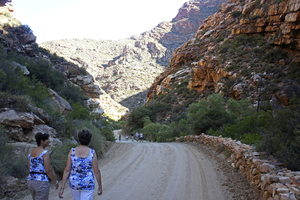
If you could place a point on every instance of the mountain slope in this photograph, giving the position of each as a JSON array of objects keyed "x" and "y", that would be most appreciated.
[
  {"x": 125, "y": 69},
  {"x": 255, "y": 67}
]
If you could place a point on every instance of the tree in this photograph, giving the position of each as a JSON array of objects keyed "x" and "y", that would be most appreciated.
[
  {"x": 136, "y": 118},
  {"x": 151, "y": 131}
]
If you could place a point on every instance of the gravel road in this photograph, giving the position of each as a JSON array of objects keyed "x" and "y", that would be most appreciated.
[{"x": 136, "y": 170}]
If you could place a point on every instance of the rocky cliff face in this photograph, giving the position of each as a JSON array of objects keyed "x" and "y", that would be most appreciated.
[
  {"x": 276, "y": 21},
  {"x": 125, "y": 69}
]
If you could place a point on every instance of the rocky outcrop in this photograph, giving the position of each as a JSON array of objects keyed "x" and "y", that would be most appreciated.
[
  {"x": 206, "y": 74},
  {"x": 88, "y": 85},
  {"x": 268, "y": 178},
  {"x": 11, "y": 186},
  {"x": 22, "y": 126},
  {"x": 184, "y": 26},
  {"x": 277, "y": 21},
  {"x": 21, "y": 38},
  {"x": 60, "y": 104},
  {"x": 23, "y": 68}
]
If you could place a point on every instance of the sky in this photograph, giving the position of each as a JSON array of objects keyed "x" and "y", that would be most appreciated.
[{"x": 94, "y": 19}]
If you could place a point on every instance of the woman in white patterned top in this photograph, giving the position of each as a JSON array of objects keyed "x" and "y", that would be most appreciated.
[
  {"x": 39, "y": 167},
  {"x": 81, "y": 163}
]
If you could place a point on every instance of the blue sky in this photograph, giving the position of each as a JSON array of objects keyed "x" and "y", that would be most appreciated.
[{"x": 96, "y": 19}]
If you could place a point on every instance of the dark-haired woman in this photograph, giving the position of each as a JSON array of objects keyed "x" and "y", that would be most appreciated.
[
  {"x": 81, "y": 163},
  {"x": 39, "y": 167}
]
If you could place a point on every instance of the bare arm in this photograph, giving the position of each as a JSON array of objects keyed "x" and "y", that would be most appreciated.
[
  {"x": 97, "y": 174},
  {"x": 49, "y": 172},
  {"x": 28, "y": 165},
  {"x": 65, "y": 176}
]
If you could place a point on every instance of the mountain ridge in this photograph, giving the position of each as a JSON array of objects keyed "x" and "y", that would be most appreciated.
[{"x": 130, "y": 66}]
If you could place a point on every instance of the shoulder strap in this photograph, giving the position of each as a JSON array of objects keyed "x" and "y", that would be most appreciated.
[
  {"x": 43, "y": 153},
  {"x": 92, "y": 152}
]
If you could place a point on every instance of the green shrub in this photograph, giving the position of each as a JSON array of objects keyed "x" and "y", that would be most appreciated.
[
  {"x": 80, "y": 112},
  {"x": 18, "y": 102},
  {"x": 59, "y": 156},
  {"x": 220, "y": 39},
  {"x": 136, "y": 117},
  {"x": 244, "y": 16},
  {"x": 122, "y": 123},
  {"x": 251, "y": 138},
  {"x": 73, "y": 94},
  {"x": 54, "y": 58},
  {"x": 208, "y": 115},
  {"x": 83, "y": 71},
  {"x": 41, "y": 69},
  {"x": 64, "y": 126},
  {"x": 233, "y": 66},
  {"x": 246, "y": 72},
  {"x": 14, "y": 83},
  {"x": 274, "y": 55},
  {"x": 229, "y": 83},
  {"x": 164, "y": 133},
  {"x": 236, "y": 13},
  {"x": 173, "y": 139},
  {"x": 281, "y": 138},
  {"x": 151, "y": 130},
  {"x": 108, "y": 134},
  {"x": 254, "y": 17},
  {"x": 16, "y": 167},
  {"x": 213, "y": 118},
  {"x": 294, "y": 72}
]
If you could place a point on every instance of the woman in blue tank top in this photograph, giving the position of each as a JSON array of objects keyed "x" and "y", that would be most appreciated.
[
  {"x": 39, "y": 167},
  {"x": 81, "y": 163}
]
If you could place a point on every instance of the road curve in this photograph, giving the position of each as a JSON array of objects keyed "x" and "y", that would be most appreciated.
[{"x": 160, "y": 171}]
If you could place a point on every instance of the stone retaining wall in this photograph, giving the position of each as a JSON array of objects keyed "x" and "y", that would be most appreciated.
[{"x": 268, "y": 178}]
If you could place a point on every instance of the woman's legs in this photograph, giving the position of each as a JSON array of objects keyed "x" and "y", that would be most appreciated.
[
  {"x": 39, "y": 189},
  {"x": 82, "y": 194}
]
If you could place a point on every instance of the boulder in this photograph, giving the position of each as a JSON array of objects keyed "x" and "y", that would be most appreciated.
[
  {"x": 84, "y": 80},
  {"x": 42, "y": 114},
  {"x": 21, "y": 148},
  {"x": 61, "y": 104},
  {"x": 19, "y": 119},
  {"x": 23, "y": 68},
  {"x": 26, "y": 38},
  {"x": 96, "y": 108},
  {"x": 15, "y": 133}
]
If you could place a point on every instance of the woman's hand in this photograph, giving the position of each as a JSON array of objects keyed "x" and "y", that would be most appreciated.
[
  {"x": 60, "y": 194},
  {"x": 99, "y": 191},
  {"x": 56, "y": 185}
]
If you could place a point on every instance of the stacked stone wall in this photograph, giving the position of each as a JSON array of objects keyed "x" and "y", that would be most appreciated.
[{"x": 269, "y": 179}]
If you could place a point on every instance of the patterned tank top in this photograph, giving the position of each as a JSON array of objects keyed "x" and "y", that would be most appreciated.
[
  {"x": 81, "y": 176},
  {"x": 37, "y": 169}
]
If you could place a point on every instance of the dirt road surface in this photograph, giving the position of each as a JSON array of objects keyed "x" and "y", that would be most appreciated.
[
  {"x": 136, "y": 170},
  {"x": 161, "y": 171}
]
